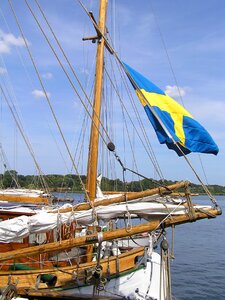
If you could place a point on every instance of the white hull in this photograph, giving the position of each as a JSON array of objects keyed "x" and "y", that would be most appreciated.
[
  {"x": 135, "y": 242},
  {"x": 144, "y": 283}
]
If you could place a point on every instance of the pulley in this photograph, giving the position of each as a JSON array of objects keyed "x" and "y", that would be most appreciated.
[
  {"x": 164, "y": 245},
  {"x": 111, "y": 146}
]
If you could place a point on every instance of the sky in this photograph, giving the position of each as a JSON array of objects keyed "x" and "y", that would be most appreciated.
[{"x": 173, "y": 43}]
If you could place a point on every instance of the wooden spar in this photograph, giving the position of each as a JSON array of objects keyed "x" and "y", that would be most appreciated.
[
  {"x": 25, "y": 199},
  {"x": 126, "y": 196},
  {"x": 94, "y": 137},
  {"x": 108, "y": 236},
  {"x": 129, "y": 195}
]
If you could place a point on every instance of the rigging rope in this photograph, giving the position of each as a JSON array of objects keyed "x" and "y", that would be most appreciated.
[
  {"x": 6, "y": 165},
  {"x": 70, "y": 66},
  {"x": 151, "y": 154},
  {"x": 29, "y": 79},
  {"x": 125, "y": 121},
  {"x": 46, "y": 94},
  {"x": 167, "y": 54},
  {"x": 66, "y": 60},
  {"x": 157, "y": 168},
  {"x": 18, "y": 117},
  {"x": 165, "y": 274},
  {"x": 24, "y": 137},
  {"x": 181, "y": 98},
  {"x": 113, "y": 52},
  {"x": 68, "y": 77},
  {"x": 105, "y": 131},
  {"x": 145, "y": 135},
  {"x": 203, "y": 169}
]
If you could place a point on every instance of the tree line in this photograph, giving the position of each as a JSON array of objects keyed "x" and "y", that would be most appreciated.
[{"x": 71, "y": 183}]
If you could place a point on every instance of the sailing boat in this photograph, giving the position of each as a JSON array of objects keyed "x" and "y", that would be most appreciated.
[
  {"x": 18, "y": 194},
  {"x": 89, "y": 262}
]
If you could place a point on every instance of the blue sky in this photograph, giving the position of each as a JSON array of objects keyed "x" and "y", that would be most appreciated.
[{"x": 193, "y": 32}]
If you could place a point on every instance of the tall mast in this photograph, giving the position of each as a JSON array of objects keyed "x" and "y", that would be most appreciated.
[{"x": 94, "y": 137}]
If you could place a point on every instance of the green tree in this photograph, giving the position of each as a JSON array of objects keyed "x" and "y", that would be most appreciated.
[{"x": 10, "y": 179}]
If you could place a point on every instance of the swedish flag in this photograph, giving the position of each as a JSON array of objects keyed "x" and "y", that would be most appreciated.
[{"x": 173, "y": 124}]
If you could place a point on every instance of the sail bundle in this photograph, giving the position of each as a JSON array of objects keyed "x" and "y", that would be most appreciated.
[
  {"x": 173, "y": 124},
  {"x": 21, "y": 227}
]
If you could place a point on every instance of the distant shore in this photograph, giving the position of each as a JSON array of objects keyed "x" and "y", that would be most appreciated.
[{"x": 71, "y": 183}]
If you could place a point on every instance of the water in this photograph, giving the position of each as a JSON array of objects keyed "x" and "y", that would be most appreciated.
[{"x": 198, "y": 271}]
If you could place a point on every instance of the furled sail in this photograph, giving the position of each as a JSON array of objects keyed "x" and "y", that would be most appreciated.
[
  {"x": 173, "y": 124},
  {"x": 21, "y": 227}
]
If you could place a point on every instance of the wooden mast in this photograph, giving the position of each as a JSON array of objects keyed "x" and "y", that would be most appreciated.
[{"x": 94, "y": 137}]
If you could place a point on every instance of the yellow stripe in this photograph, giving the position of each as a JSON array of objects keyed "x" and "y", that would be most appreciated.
[{"x": 167, "y": 104}]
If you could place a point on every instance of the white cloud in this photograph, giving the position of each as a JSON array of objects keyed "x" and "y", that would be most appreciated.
[
  {"x": 85, "y": 71},
  {"x": 2, "y": 71},
  {"x": 8, "y": 40},
  {"x": 47, "y": 75},
  {"x": 4, "y": 48},
  {"x": 39, "y": 94},
  {"x": 176, "y": 91},
  {"x": 211, "y": 112}
]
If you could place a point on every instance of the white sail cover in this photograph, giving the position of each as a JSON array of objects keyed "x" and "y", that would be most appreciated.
[
  {"x": 20, "y": 227},
  {"x": 23, "y": 192}
]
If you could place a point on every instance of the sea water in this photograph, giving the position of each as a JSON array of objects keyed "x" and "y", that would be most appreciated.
[{"x": 198, "y": 270}]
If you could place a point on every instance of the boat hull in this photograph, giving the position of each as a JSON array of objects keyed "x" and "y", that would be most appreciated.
[{"x": 141, "y": 282}]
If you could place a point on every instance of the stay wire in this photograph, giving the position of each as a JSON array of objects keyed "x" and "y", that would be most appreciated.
[
  {"x": 131, "y": 146},
  {"x": 20, "y": 58},
  {"x": 7, "y": 166},
  {"x": 203, "y": 169},
  {"x": 170, "y": 136},
  {"x": 150, "y": 153},
  {"x": 29, "y": 78},
  {"x": 116, "y": 56},
  {"x": 162, "y": 124},
  {"x": 126, "y": 127},
  {"x": 32, "y": 83},
  {"x": 81, "y": 138},
  {"x": 176, "y": 82},
  {"x": 86, "y": 96},
  {"x": 46, "y": 95},
  {"x": 24, "y": 137},
  {"x": 138, "y": 134},
  {"x": 17, "y": 118},
  {"x": 71, "y": 68},
  {"x": 167, "y": 53},
  {"x": 112, "y": 51},
  {"x": 10, "y": 94},
  {"x": 67, "y": 75},
  {"x": 166, "y": 130}
]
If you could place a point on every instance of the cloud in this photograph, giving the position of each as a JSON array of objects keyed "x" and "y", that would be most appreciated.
[
  {"x": 47, "y": 75},
  {"x": 39, "y": 94},
  {"x": 211, "y": 43},
  {"x": 85, "y": 71},
  {"x": 176, "y": 91},
  {"x": 8, "y": 40},
  {"x": 4, "y": 48},
  {"x": 3, "y": 71},
  {"x": 211, "y": 112}
]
